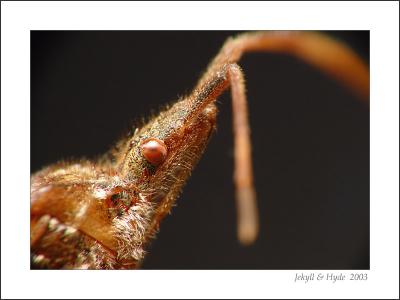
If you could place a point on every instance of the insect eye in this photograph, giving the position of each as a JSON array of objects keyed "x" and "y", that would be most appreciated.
[
  {"x": 120, "y": 200},
  {"x": 114, "y": 199},
  {"x": 154, "y": 151}
]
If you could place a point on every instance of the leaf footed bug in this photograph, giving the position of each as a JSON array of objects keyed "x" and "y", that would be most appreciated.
[{"x": 102, "y": 214}]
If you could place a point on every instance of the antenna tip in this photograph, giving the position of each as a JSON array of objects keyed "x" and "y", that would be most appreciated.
[{"x": 247, "y": 216}]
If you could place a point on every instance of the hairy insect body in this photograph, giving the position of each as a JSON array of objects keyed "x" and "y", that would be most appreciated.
[
  {"x": 92, "y": 215},
  {"x": 83, "y": 199}
]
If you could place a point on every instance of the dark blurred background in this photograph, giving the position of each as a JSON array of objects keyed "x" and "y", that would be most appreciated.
[{"x": 310, "y": 143}]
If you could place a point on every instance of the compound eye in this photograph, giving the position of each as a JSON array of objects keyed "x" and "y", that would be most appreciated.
[{"x": 154, "y": 151}]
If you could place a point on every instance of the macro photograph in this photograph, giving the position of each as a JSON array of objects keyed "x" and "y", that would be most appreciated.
[{"x": 200, "y": 150}]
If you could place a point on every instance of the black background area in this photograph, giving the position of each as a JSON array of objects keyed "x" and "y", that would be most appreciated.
[{"x": 310, "y": 143}]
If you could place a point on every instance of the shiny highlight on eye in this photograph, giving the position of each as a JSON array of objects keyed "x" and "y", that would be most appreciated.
[{"x": 154, "y": 151}]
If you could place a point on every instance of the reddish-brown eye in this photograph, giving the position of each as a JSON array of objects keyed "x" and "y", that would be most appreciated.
[{"x": 154, "y": 150}]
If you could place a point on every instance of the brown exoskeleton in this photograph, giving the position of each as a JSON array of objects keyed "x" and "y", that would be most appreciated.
[{"x": 102, "y": 214}]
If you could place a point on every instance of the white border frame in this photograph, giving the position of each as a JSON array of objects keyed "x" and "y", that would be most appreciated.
[{"x": 18, "y": 18}]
